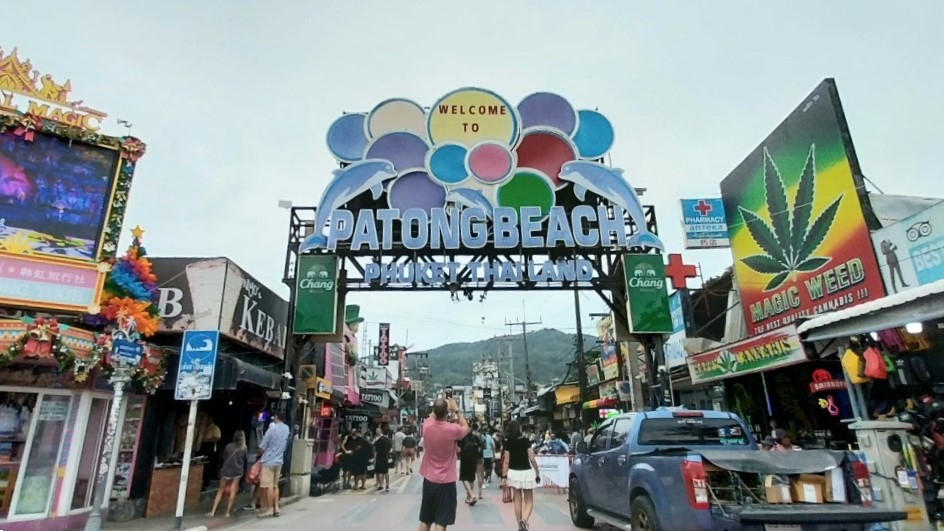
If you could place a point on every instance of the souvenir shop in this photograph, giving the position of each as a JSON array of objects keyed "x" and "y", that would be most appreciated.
[{"x": 892, "y": 354}]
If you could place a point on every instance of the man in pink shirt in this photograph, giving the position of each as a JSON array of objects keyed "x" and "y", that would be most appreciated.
[{"x": 439, "y": 465}]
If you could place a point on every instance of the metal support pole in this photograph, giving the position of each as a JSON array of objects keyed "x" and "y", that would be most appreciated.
[
  {"x": 94, "y": 522},
  {"x": 581, "y": 364},
  {"x": 185, "y": 467}
]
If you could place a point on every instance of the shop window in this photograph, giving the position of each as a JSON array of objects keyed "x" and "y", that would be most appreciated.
[
  {"x": 16, "y": 410},
  {"x": 37, "y": 477},
  {"x": 91, "y": 454}
]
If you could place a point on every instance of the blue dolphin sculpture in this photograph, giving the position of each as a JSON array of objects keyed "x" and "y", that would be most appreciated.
[
  {"x": 610, "y": 184},
  {"x": 347, "y": 184},
  {"x": 470, "y": 198}
]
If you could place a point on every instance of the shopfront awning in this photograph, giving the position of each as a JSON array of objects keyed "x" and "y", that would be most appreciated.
[
  {"x": 229, "y": 373},
  {"x": 534, "y": 411},
  {"x": 923, "y": 303},
  {"x": 600, "y": 402},
  {"x": 567, "y": 394}
]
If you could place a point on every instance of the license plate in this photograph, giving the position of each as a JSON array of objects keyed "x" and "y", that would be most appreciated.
[{"x": 781, "y": 527}]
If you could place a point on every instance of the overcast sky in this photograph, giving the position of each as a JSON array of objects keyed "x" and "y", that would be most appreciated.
[{"x": 234, "y": 99}]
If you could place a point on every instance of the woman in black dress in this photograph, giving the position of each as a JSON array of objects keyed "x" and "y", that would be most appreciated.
[
  {"x": 520, "y": 472},
  {"x": 382, "y": 447}
]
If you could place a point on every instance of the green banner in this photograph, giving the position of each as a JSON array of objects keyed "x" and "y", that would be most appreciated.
[
  {"x": 647, "y": 301},
  {"x": 316, "y": 295}
]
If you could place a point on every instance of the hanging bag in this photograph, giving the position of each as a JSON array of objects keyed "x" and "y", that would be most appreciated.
[
  {"x": 255, "y": 471},
  {"x": 852, "y": 364},
  {"x": 875, "y": 367}
]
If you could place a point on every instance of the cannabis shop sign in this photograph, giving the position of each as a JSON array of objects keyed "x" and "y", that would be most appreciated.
[
  {"x": 778, "y": 348},
  {"x": 472, "y": 172},
  {"x": 795, "y": 220}
]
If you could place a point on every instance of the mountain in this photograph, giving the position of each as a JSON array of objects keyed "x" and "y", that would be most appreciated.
[{"x": 550, "y": 351}]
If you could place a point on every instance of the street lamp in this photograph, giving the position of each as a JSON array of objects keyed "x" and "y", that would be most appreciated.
[{"x": 125, "y": 356}]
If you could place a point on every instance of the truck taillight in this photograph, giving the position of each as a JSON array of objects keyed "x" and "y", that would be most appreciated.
[
  {"x": 696, "y": 483},
  {"x": 860, "y": 472}
]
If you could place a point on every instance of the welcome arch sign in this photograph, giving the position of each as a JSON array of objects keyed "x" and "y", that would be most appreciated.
[{"x": 470, "y": 193}]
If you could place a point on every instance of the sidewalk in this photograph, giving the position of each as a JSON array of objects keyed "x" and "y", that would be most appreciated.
[{"x": 195, "y": 519}]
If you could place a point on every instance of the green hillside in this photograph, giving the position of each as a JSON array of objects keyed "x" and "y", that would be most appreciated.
[{"x": 550, "y": 351}]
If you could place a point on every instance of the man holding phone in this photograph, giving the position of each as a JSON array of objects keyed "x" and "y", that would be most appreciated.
[{"x": 438, "y": 506}]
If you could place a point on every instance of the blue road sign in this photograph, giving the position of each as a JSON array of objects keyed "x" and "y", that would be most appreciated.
[
  {"x": 197, "y": 364},
  {"x": 127, "y": 353},
  {"x": 704, "y": 224}
]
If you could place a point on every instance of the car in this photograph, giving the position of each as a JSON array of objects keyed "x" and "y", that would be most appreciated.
[{"x": 674, "y": 469}]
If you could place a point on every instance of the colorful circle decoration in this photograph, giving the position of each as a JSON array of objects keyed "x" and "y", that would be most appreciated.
[
  {"x": 548, "y": 110},
  {"x": 490, "y": 162},
  {"x": 446, "y": 163},
  {"x": 346, "y": 138},
  {"x": 405, "y": 150},
  {"x": 546, "y": 150},
  {"x": 594, "y": 136},
  {"x": 416, "y": 190},
  {"x": 528, "y": 187},
  {"x": 396, "y": 114},
  {"x": 469, "y": 116}
]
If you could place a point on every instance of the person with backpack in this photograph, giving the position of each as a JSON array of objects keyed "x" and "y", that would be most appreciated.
[
  {"x": 409, "y": 452},
  {"x": 470, "y": 454}
]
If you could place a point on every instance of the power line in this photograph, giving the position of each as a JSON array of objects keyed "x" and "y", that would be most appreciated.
[{"x": 523, "y": 323}]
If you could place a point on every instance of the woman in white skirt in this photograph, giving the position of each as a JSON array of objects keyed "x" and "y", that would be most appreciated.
[{"x": 520, "y": 472}]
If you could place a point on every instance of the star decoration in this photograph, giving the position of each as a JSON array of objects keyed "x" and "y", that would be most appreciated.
[{"x": 137, "y": 232}]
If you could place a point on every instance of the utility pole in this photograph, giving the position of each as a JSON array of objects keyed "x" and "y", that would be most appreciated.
[
  {"x": 523, "y": 323},
  {"x": 581, "y": 362}
]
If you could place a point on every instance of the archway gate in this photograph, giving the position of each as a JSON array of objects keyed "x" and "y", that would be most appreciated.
[{"x": 471, "y": 196}]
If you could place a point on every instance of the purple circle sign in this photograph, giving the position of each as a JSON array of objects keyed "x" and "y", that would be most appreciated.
[
  {"x": 406, "y": 151},
  {"x": 416, "y": 190},
  {"x": 547, "y": 110}
]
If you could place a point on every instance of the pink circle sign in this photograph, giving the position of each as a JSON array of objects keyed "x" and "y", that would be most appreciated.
[{"x": 490, "y": 162}]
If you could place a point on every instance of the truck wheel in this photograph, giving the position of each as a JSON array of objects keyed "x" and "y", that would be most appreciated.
[
  {"x": 644, "y": 516},
  {"x": 578, "y": 511}
]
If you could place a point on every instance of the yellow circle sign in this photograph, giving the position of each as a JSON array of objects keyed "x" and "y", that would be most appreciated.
[{"x": 471, "y": 115}]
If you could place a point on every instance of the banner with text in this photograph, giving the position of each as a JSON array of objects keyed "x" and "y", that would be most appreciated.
[
  {"x": 647, "y": 301},
  {"x": 770, "y": 350},
  {"x": 316, "y": 295}
]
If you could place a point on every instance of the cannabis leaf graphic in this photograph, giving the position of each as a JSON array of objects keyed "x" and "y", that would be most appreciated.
[
  {"x": 788, "y": 241},
  {"x": 728, "y": 363}
]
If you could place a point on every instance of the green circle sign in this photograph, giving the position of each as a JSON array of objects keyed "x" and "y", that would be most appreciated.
[{"x": 527, "y": 188}]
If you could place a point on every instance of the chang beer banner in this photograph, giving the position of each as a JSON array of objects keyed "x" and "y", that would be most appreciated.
[
  {"x": 316, "y": 295},
  {"x": 647, "y": 301},
  {"x": 770, "y": 350},
  {"x": 795, "y": 219}
]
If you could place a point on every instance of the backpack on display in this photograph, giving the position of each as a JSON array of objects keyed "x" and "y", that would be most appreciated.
[{"x": 875, "y": 366}]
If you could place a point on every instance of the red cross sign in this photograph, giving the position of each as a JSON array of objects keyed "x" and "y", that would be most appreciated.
[
  {"x": 702, "y": 207},
  {"x": 679, "y": 272}
]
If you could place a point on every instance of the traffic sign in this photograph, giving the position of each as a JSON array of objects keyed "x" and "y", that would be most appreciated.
[{"x": 197, "y": 365}]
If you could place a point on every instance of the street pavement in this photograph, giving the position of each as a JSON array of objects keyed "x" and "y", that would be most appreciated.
[{"x": 399, "y": 510}]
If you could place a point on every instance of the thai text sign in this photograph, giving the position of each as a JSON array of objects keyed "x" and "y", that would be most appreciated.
[
  {"x": 777, "y": 348},
  {"x": 316, "y": 295},
  {"x": 646, "y": 298},
  {"x": 795, "y": 218},
  {"x": 911, "y": 252},
  {"x": 703, "y": 223}
]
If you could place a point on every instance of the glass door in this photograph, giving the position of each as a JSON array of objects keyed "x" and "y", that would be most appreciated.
[
  {"x": 91, "y": 452},
  {"x": 16, "y": 410},
  {"x": 36, "y": 482}
]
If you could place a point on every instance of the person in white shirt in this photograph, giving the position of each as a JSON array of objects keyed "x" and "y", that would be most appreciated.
[{"x": 398, "y": 450}]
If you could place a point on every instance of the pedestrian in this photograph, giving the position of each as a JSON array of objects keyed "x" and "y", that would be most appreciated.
[
  {"x": 497, "y": 438},
  {"x": 409, "y": 452},
  {"x": 273, "y": 451},
  {"x": 488, "y": 457},
  {"x": 785, "y": 444},
  {"x": 357, "y": 458},
  {"x": 382, "y": 448},
  {"x": 398, "y": 450},
  {"x": 520, "y": 472},
  {"x": 575, "y": 436},
  {"x": 347, "y": 460},
  {"x": 234, "y": 463},
  {"x": 767, "y": 443},
  {"x": 470, "y": 453},
  {"x": 438, "y": 468}
]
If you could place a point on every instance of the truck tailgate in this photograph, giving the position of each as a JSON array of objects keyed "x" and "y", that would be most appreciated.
[{"x": 816, "y": 514}]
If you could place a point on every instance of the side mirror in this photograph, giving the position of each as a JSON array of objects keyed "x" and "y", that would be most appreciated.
[{"x": 581, "y": 447}]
